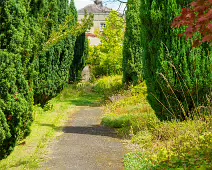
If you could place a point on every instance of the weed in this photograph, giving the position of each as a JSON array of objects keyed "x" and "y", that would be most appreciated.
[{"x": 163, "y": 145}]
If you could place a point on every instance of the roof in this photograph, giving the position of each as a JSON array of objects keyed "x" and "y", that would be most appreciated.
[{"x": 97, "y": 7}]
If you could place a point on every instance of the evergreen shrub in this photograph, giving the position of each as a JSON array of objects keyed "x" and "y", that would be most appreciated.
[
  {"x": 178, "y": 77},
  {"x": 15, "y": 94},
  {"x": 15, "y": 102},
  {"x": 132, "y": 49},
  {"x": 80, "y": 56},
  {"x": 54, "y": 64},
  {"x": 26, "y": 68}
]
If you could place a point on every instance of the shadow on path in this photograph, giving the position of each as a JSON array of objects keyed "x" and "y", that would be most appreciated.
[{"x": 97, "y": 130}]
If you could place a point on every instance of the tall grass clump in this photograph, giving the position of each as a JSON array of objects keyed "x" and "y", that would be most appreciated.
[{"x": 178, "y": 77}]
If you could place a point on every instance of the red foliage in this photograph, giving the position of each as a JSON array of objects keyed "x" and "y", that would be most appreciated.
[{"x": 197, "y": 18}]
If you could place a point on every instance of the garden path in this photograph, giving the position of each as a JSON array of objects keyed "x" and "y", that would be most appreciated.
[{"x": 86, "y": 145}]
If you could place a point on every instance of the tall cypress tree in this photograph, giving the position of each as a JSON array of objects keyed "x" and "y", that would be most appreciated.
[
  {"x": 132, "y": 50},
  {"x": 53, "y": 65},
  {"x": 80, "y": 56},
  {"x": 15, "y": 93},
  {"x": 178, "y": 77}
]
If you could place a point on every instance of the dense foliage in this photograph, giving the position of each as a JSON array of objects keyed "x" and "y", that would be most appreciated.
[
  {"x": 54, "y": 65},
  {"x": 178, "y": 77},
  {"x": 80, "y": 56},
  {"x": 15, "y": 93},
  {"x": 36, "y": 53},
  {"x": 106, "y": 59},
  {"x": 132, "y": 50},
  {"x": 162, "y": 144}
]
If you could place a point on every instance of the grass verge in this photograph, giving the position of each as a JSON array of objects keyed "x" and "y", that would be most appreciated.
[
  {"x": 162, "y": 145},
  {"x": 48, "y": 123}
]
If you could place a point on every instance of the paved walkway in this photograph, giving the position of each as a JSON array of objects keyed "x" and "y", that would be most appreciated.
[{"x": 85, "y": 145}]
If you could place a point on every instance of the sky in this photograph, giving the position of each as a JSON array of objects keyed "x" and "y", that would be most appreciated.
[{"x": 114, "y": 5}]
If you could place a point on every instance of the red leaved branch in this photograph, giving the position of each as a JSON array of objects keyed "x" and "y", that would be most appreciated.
[{"x": 197, "y": 18}]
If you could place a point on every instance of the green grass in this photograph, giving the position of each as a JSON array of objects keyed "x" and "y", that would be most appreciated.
[
  {"x": 162, "y": 145},
  {"x": 47, "y": 125}
]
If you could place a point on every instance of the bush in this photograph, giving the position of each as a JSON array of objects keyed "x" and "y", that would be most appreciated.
[
  {"x": 15, "y": 91},
  {"x": 52, "y": 65},
  {"x": 15, "y": 102},
  {"x": 4, "y": 130},
  {"x": 28, "y": 64},
  {"x": 178, "y": 77},
  {"x": 80, "y": 56},
  {"x": 109, "y": 85}
]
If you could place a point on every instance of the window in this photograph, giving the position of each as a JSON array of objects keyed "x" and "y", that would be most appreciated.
[{"x": 102, "y": 26}]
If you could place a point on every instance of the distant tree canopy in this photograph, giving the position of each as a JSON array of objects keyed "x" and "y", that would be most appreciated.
[{"x": 106, "y": 59}]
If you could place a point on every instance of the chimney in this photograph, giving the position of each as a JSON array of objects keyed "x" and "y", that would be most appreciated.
[{"x": 98, "y": 3}]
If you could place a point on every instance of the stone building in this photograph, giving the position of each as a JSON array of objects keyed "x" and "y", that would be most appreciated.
[{"x": 100, "y": 14}]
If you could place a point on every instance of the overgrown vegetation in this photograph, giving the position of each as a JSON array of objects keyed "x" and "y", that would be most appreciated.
[
  {"x": 108, "y": 86},
  {"x": 162, "y": 145},
  {"x": 168, "y": 115}
]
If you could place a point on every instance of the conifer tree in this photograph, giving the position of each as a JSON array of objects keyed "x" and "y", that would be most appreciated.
[
  {"x": 15, "y": 93},
  {"x": 132, "y": 50},
  {"x": 80, "y": 56},
  {"x": 178, "y": 77},
  {"x": 53, "y": 65}
]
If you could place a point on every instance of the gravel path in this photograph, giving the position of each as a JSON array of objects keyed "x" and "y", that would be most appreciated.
[{"x": 85, "y": 145}]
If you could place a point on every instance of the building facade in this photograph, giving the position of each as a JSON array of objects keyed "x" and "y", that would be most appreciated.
[{"x": 100, "y": 14}]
